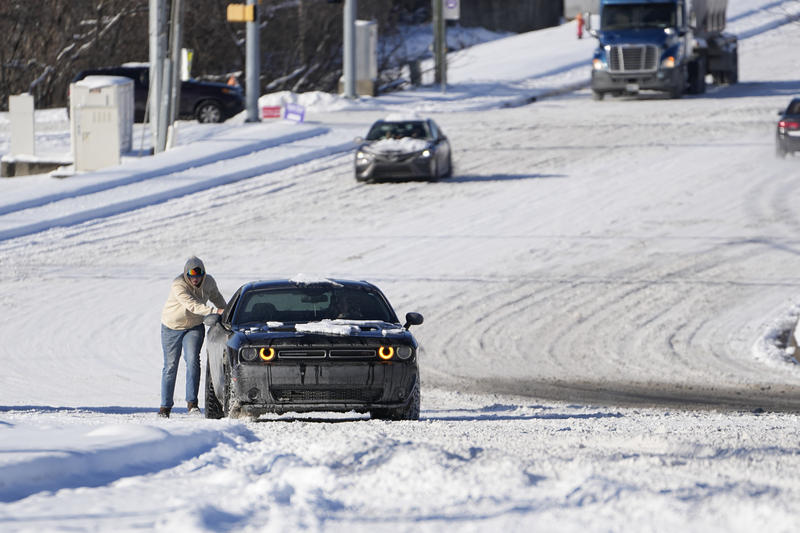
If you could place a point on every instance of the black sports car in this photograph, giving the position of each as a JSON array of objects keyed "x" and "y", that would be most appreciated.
[
  {"x": 787, "y": 134},
  {"x": 311, "y": 345},
  {"x": 403, "y": 148}
]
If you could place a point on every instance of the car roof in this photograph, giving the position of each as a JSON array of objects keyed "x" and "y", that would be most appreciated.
[{"x": 291, "y": 283}]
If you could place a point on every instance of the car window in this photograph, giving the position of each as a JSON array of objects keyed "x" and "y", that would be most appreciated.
[
  {"x": 310, "y": 304},
  {"x": 416, "y": 129},
  {"x": 794, "y": 108}
]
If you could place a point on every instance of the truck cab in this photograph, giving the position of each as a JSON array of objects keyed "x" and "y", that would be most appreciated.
[{"x": 661, "y": 45}]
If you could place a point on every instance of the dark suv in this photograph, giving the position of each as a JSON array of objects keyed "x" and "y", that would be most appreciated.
[
  {"x": 787, "y": 135},
  {"x": 205, "y": 101}
]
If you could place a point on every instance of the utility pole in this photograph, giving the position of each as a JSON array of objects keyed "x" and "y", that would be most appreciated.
[
  {"x": 253, "y": 59},
  {"x": 349, "y": 59},
  {"x": 158, "y": 47},
  {"x": 440, "y": 44}
]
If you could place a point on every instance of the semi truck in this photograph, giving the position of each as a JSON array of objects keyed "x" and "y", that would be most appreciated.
[{"x": 669, "y": 46}]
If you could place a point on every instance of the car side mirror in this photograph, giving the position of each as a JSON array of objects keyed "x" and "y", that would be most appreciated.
[
  {"x": 212, "y": 319},
  {"x": 413, "y": 319},
  {"x": 358, "y": 140}
]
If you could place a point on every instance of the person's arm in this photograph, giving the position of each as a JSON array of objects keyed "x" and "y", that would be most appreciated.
[{"x": 190, "y": 302}]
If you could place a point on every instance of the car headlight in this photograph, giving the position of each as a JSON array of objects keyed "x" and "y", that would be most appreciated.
[
  {"x": 248, "y": 354},
  {"x": 404, "y": 352},
  {"x": 668, "y": 62},
  {"x": 598, "y": 64},
  {"x": 366, "y": 156},
  {"x": 386, "y": 352},
  {"x": 266, "y": 354},
  {"x": 425, "y": 153}
]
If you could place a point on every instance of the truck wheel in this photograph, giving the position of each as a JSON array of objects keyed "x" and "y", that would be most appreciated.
[
  {"x": 733, "y": 75},
  {"x": 213, "y": 406},
  {"x": 697, "y": 76}
]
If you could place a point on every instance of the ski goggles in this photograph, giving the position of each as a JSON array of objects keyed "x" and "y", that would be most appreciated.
[{"x": 195, "y": 272}]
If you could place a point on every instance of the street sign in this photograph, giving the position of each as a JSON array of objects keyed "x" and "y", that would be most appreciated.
[
  {"x": 294, "y": 112},
  {"x": 452, "y": 9},
  {"x": 241, "y": 13},
  {"x": 271, "y": 111}
]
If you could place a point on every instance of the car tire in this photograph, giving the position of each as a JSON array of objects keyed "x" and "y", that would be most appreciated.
[
  {"x": 780, "y": 153},
  {"x": 449, "y": 173},
  {"x": 409, "y": 412},
  {"x": 598, "y": 96},
  {"x": 208, "y": 112},
  {"x": 231, "y": 407},
  {"x": 213, "y": 405}
]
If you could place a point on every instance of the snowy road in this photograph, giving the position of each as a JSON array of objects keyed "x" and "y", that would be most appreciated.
[{"x": 602, "y": 285}]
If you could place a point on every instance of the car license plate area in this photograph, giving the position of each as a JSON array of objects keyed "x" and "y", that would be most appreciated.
[
  {"x": 320, "y": 384},
  {"x": 632, "y": 87}
]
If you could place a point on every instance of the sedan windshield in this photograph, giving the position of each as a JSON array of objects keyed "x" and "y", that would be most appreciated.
[
  {"x": 625, "y": 17},
  {"x": 311, "y": 304},
  {"x": 416, "y": 129}
]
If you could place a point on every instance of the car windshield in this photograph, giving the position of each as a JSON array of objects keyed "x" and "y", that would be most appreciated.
[
  {"x": 311, "y": 304},
  {"x": 625, "y": 17},
  {"x": 794, "y": 108},
  {"x": 416, "y": 129}
]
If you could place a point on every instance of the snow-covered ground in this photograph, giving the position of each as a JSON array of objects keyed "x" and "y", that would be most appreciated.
[{"x": 604, "y": 286}]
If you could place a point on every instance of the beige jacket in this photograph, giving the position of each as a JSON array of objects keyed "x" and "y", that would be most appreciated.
[{"x": 186, "y": 304}]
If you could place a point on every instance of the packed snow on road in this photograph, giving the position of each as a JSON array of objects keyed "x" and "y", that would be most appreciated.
[{"x": 607, "y": 290}]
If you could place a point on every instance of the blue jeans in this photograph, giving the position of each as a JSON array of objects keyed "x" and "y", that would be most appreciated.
[{"x": 172, "y": 342}]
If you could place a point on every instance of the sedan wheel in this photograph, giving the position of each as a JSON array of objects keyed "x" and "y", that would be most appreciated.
[{"x": 208, "y": 113}]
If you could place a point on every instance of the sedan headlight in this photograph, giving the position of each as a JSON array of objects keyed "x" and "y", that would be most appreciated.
[
  {"x": 425, "y": 153},
  {"x": 248, "y": 354},
  {"x": 365, "y": 156}
]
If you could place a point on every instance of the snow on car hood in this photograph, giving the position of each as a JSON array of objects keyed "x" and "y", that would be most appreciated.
[
  {"x": 405, "y": 144},
  {"x": 347, "y": 327}
]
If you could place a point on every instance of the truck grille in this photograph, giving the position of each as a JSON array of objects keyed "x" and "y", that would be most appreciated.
[{"x": 633, "y": 58}]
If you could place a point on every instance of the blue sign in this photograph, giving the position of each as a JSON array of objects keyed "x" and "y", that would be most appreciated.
[{"x": 294, "y": 112}]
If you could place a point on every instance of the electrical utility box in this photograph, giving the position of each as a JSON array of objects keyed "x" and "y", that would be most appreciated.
[{"x": 101, "y": 121}]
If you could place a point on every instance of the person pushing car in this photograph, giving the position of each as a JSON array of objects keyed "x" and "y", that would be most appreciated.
[{"x": 182, "y": 329}]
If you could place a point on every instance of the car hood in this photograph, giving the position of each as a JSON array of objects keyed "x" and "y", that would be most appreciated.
[
  {"x": 406, "y": 145},
  {"x": 335, "y": 330}
]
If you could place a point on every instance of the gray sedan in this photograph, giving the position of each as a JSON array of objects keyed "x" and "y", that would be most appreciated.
[{"x": 402, "y": 149}]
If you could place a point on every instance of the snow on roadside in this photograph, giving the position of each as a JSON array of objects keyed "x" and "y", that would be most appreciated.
[{"x": 65, "y": 451}]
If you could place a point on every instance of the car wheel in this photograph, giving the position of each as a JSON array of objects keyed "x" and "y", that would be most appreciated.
[
  {"x": 231, "y": 407},
  {"x": 409, "y": 412},
  {"x": 449, "y": 173},
  {"x": 208, "y": 112},
  {"x": 780, "y": 153},
  {"x": 213, "y": 406},
  {"x": 598, "y": 96}
]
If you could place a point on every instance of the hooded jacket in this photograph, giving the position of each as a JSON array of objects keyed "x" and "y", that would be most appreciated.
[{"x": 186, "y": 304}]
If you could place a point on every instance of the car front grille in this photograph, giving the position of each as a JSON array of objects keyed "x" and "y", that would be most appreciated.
[
  {"x": 633, "y": 58},
  {"x": 302, "y": 354},
  {"x": 338, "y": 395},
  {"x": 353, "y": 353}
]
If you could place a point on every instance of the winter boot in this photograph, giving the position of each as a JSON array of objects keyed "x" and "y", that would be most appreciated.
[
  {"x": 164, "y": 412},
  {"x": 192, "y": 408}
]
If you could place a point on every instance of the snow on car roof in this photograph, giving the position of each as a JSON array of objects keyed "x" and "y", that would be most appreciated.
[{"x": 402, "y": 117}]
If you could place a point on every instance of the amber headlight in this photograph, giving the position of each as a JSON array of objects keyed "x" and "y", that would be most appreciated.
[
  {"x": 385, "y": 352},
  {"x": 404, "y": 352},
  {"x": 266, "y": 354},
  {"x": 248, "y": 354}
]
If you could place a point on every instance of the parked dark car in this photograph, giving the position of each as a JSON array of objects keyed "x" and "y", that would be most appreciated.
[
  {"x": 201, "y": 100},
  {"x": 401, "y": 149},
  {"x": 787, "y": 135},
  {"x": 301, "y": 346}
]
